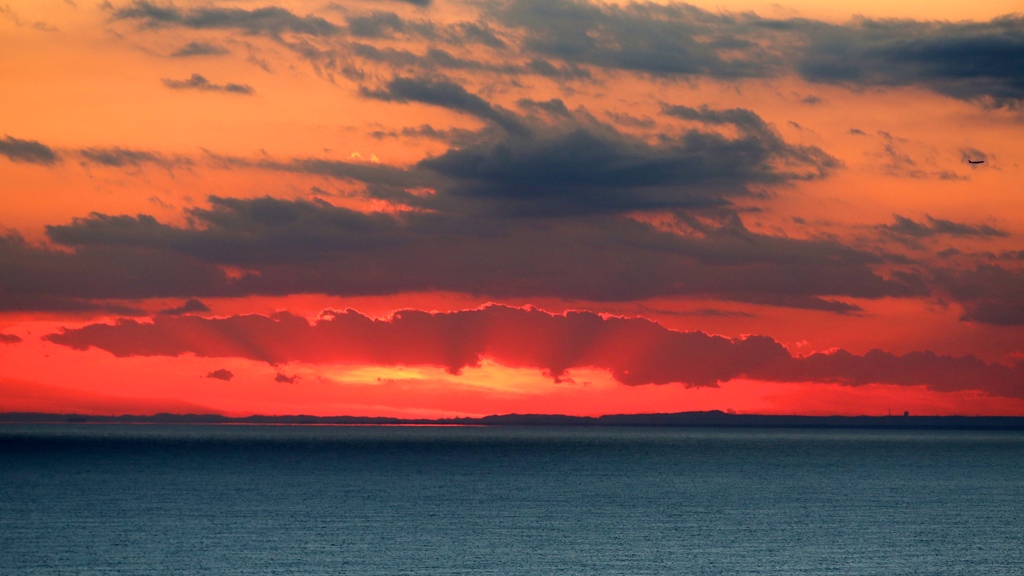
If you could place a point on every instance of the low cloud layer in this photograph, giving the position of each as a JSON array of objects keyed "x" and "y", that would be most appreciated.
[
  {"x": 314, "y": 247},
  {"x": 635, "y": 351}
]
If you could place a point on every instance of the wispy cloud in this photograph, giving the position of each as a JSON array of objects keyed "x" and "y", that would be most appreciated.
[
  {"x": 199, "y": 82},
  {"x": 29, "y": 151}
]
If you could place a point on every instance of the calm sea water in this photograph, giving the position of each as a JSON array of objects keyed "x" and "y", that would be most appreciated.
[{"x": 213, "y": 500}]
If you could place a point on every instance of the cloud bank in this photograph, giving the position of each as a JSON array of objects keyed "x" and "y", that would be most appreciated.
[{"x": 635, "y": 351}]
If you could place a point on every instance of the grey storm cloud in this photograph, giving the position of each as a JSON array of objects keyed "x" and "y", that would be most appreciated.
[
  {"x": 269, "y": 20},
  {"x": 931, "y": 227},
  {"x": 634, "y": 351},
  {"x": 10, "y": 339},
  {"x": 314, "y": 247},
  {"x": 199, "y": 82},
  {"x": 30, "y": 151}
]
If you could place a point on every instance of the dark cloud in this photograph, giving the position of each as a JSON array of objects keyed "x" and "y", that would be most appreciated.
[
  {"x": 369, "y": 173},
  {"x": 552, "y": 161},
  {"x": 222, "y": 374},
  {"x": 270, "y": 20},
  {"x": 314, "y": 247},
  {"x": 419, "y": 3},
  {"x": 635, "y": 351},
  {"x": 554, "y": 106},
  {"x": 989, "y": 294},
  {"x": 566, "y": 39},
  {"x": 567, "y": 72},
  {"x": 37, "y": 278},
  {"x": 978, "y": 61},
  {"x": 482, "y": 33},
  {"x": 199, "y": 82},
  {"x": 751, "y": 126},
  {"x": 377, "y": 25},
  {"x": 18, "y": 150},
  {"x": 630, "y": 120},
  {"x": 51, "y": 303},
  {"x": 310, "y": 37},
  {"x": 709, "y": 312},
  {"x": 445, "y": 94},
  {"x": 285, "y": 379},
  {"x": 677, "y": 39},
  {"x": 579, "y": 165},
  {"x": 454, "y": 136},
  {"x": 931, "y": 227},
  {"x": 800, "y": 301},
  {"x": 199, "y": 49},
  {"x": 123, "y": 157},
  {"x": 388, "y": 25},
  {"x": 433, "y": 59},
  {"x": 10, "y": 339},
  {"x": 190, "y": 305},
  {"x": 975, "y": 61}
]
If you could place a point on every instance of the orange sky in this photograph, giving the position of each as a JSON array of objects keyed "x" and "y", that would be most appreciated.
[{"x": 790, "y": 174}]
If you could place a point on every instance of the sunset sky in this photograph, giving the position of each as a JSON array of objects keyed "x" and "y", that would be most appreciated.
[{"x": 433, "y": 208}]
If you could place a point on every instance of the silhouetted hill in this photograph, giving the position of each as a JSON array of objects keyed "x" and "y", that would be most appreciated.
[{"x": 713, "y": 418}]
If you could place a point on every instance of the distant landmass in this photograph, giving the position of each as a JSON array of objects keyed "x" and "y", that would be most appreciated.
[{"x": 712, "y": 418}]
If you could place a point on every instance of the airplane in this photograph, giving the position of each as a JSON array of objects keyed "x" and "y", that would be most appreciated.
[{"x": 975, "y": 161}]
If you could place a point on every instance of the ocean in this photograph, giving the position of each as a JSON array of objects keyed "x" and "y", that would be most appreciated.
[{"x": 87, "y": 499}]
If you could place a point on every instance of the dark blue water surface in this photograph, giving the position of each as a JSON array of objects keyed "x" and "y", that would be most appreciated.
[{"x": 211, "y": 500}]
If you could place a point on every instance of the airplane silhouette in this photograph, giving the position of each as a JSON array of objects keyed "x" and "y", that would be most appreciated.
[{"x": 975, "y": 161}]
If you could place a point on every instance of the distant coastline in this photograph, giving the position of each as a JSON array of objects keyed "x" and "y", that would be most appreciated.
[{"x": 712, "y": 418}]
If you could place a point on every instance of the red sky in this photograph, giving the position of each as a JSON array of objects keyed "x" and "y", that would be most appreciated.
[{"x": 437, "y": 208}]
